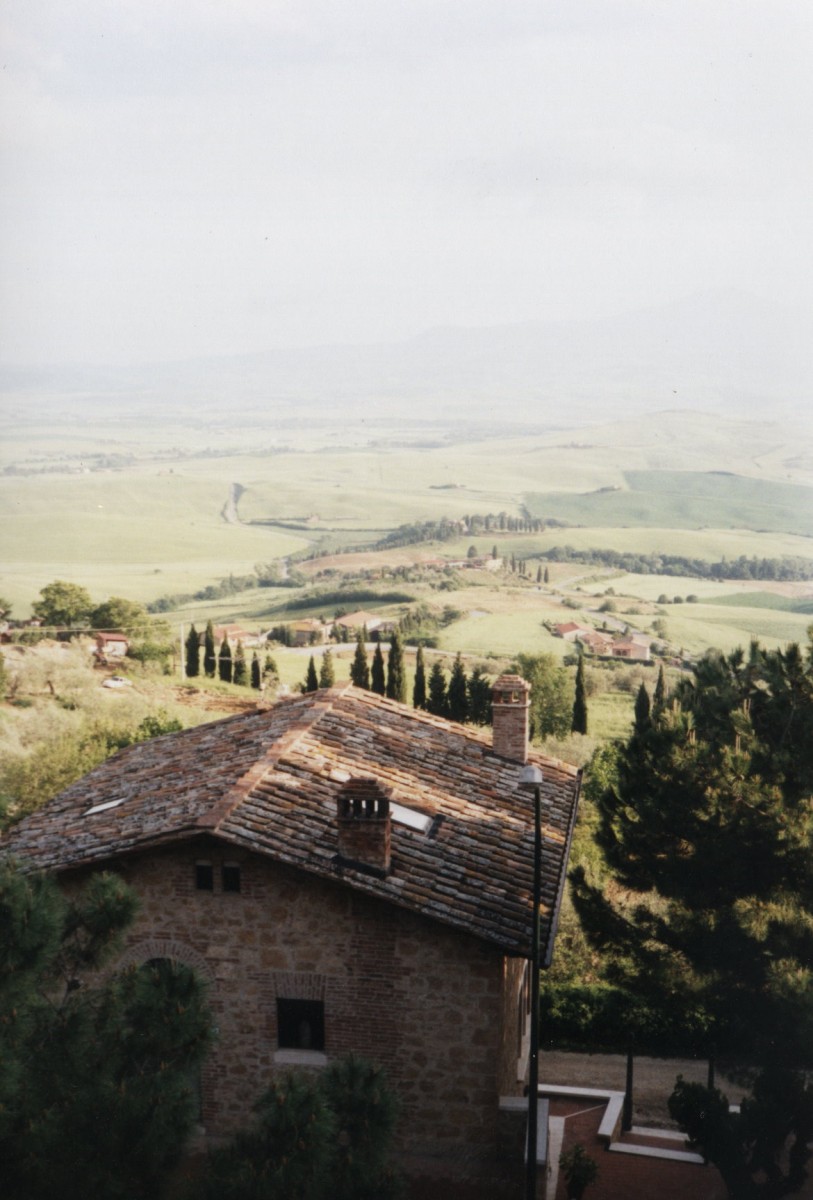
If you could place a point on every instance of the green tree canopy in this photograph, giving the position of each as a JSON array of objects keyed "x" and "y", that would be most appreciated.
[
  {"x": 94, "y": 1070},
  {"x": 118, "y": 613},
  {"x": 63, "y": 603},
  {"x": 551, "y": 694},
  {"x": 707, "y": 831}
]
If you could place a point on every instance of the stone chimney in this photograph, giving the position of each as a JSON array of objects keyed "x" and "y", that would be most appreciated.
[
  {"x": 365, "y": 829},
  {"x": 510, "y": 699}
]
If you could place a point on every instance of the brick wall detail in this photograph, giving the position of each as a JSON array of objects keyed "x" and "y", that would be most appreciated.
[{"x": 434, "y": 1006}]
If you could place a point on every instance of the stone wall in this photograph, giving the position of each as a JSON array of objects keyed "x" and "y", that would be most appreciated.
[{"x": 434, "y": 1006}]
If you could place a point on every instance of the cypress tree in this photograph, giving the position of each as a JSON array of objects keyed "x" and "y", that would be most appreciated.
[
  {"x": 256, "y": 673},
  {"x": 419, "y": 688},
  {"x": 436, "y": 700},
  {"x": 660, "y": 691},
  {"x": 642, "y": 710},
  {"x": 479, "y": 697},
  {"x": 377, "y": 676},
  {"x": 457, "y": 694},
  {"x": 240, "y": 674},
  {"x": 327, "y": 676},
  {"x": 224, "y": 667},
  {"x": 579, "y": 723},
  {"x": 359, "y": 668},
  {"x": 270, "y": 667},
  {"x": 209, "y": 654},
  {"x": 396, "y": 676},
  {"x": 311, "y": 683},
  {"x": 539, "y": 573},
  {"x": 192, "y": 653},
  {"x": 546, "y": 576}
]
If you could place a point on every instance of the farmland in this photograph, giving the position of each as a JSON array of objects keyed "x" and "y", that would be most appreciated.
[{"x": 138, "y": 505}]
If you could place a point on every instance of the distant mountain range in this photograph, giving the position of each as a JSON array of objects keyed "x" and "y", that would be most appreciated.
[{"x": 720, "y": 352}]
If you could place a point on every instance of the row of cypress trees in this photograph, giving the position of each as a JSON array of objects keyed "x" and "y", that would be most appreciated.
[
  {"x": 231, "y": 668},
  {"x": 460, "y": 698}
]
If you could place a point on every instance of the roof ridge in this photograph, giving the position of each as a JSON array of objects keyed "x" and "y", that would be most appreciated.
[{"x": 312, "y": 713}]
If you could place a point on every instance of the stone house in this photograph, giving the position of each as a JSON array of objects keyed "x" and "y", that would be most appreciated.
[
  {"x": 353, "y": 623},
  {"x": 347, "y": 874},
  {"x": 571, "y": 631},
  {"x": 308, "y": 632}
]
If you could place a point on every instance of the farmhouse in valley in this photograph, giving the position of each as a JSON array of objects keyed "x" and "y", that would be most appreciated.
[
  {"x": 348, "y": 874},
  {"x": 353, "y": 623}
]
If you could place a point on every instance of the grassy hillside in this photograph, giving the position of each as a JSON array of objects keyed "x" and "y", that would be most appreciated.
[{"x": 685, "y": 500}]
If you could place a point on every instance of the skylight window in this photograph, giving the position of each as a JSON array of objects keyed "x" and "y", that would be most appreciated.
[
  {"x": 410, "y": 817},
  {"x": 101, "y": 807}
]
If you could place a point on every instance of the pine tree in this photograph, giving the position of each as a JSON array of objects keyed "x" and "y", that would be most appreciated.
[
  {"x": 311, "y": 683},
  {"x": 94, "y": 1085},
  {"x": 209, "y": 655},
  {"x": 396, "y": 675},
  {"x": 256, "y": 672},
  {"x": 359, "y": 668},
  {"x": 419, "y": 687},
  {"x": 327, "y": 676},
  {"x": 378, "y": 681},
  {"x": 479, "y": 697},
  {"x": 579, "y": 722},
  {"x": 240, "y": 673},
  {"x": 643, "y": 710},
  {"x": 457, "y": 698},
  {"x": 192, "y": 653},
  {"x": 436, "y": 700},
  {"x": 224, "y": 664}
]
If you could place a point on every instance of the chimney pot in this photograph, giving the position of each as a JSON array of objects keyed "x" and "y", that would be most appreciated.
[{"x": 364, "y": 824}]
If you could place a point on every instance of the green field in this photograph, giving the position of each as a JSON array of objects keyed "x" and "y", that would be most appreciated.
[
  {"x": 157, "y": 524},
  {"x": 685, "y": 500}
]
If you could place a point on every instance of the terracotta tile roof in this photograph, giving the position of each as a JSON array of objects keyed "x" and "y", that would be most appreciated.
[{"x": 267, "y": 781}]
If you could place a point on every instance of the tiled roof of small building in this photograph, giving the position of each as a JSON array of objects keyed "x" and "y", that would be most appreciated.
[{"x": 267, "y": 781}]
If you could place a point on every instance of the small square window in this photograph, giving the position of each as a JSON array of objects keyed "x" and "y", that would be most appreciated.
[
  {"x": 300, "y": 1024},
  {"x": 230, "y": 877},
  {"x": 204, "y": 877}
]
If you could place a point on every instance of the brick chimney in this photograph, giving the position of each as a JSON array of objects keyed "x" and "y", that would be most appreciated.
[
  {"x": 510, "y": 699},
  {"x": 365, "y": 831}
]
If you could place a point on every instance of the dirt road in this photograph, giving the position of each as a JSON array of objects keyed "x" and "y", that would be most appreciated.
[{"x": 653, "y": 1079}]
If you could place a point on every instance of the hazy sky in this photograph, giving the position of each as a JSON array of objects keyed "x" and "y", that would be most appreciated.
[{"x": 184, "y": 177}]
